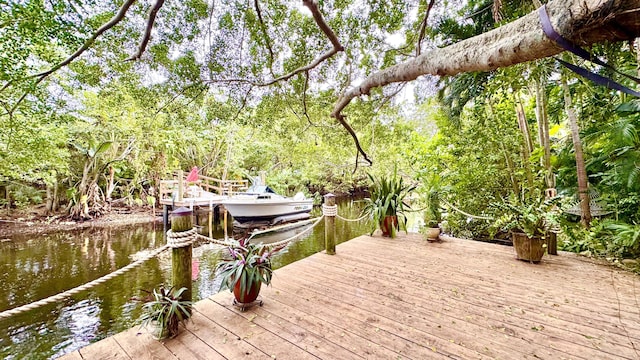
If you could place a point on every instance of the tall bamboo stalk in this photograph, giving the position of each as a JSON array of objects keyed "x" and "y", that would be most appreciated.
[{"x": 581, "y": 168}]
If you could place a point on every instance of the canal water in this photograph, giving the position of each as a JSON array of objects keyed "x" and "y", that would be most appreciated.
[{"x": 37, "y": 266}]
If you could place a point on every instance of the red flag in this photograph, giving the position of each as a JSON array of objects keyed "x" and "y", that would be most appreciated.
[{"x": 193, "y": 175}]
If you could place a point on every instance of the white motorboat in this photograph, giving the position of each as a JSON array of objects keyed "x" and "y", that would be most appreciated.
[{"x": 262, "y": 203}]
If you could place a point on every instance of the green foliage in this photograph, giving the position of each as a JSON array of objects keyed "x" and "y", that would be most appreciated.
[
  {"x": 528, "y": 214},
  {"x": 387, "y": 198},
  {"x": 606, "y": 238},
  {"x": 432, "y": 191},
  {"x": 167, "y": 309}
]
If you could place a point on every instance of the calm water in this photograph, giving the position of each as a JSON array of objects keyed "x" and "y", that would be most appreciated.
[{"x": 37, "y": 266}]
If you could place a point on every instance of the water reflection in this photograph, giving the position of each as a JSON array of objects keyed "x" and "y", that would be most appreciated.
[{"x": 37, "y": 266}]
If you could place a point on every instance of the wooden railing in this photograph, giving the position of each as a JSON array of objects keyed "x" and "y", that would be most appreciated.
[{"x": 178, "y": 186}]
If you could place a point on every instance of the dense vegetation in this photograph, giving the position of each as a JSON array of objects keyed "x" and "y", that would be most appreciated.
[{"x": 101, "y": 130}]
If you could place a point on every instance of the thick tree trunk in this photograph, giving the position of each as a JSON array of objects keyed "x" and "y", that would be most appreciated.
[
  {"x": 581, "y": 169},
  {"x": 637, "y": 41},
  {"x": 584, "y": 22},
  {"x": 56, "y": 197},
  {"x": 110, "y": 187},
  {"x": 49, "y": 202}
]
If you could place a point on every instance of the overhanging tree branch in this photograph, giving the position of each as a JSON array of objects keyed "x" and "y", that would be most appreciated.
[
  {"x": 106, "y": 26},
  {"x": 263, "y": 27},
  {"x": 87, "y": 44},
  {"x": 423, "y": 27},
  {"x": 584, "y": 22},
  {"x": 151, "y": 19},
  {"x": 322, "y": 24}
]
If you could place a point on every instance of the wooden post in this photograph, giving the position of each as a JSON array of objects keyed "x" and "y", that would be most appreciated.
[
  {"x": 226, "y": 236},
  {"x": 330, "y": 226},
  {"x": 181, "y": 257},
  {"x": 180, "y": 184},
  {"x": 552, "y": 243},
  {"x": 211, "y": 219},
  {"x": 165, "y": 217},
  {"x": 216, "y": 216}
]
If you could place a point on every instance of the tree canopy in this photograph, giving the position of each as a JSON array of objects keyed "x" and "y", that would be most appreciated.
[{"x": 101, "y": 100}]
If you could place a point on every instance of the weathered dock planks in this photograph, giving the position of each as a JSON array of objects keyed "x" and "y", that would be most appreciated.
[{"x": 405, "y": 298}]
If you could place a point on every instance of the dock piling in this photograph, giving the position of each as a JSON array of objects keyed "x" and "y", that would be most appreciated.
[
  {"x": 329, "y": 210},
  {"x": 181, "y": 256}
]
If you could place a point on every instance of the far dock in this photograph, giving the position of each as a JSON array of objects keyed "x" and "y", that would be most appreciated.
[
  {"x": 404, "y": 298},
  {"x": 206, "y": 192}
]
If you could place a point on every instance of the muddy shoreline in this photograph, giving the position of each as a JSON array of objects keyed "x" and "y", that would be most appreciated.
[{"x": 25, "y": 222}]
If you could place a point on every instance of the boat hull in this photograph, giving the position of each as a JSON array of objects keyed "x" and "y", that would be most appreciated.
[{"x": 244, "y": 210}]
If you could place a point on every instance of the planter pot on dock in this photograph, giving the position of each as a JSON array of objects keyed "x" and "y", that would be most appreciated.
[
  {"x": 527, "y": 248},
  {"x": 157, "y": 331},
  {"x": 389, "y": 225},
  {"x": 250, "y": 295},
  {"x": 432, "y": 234}
]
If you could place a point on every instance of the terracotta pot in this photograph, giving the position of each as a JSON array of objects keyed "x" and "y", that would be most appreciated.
[
  {"x": 250, "y": 295},
  {"x": 528, "y": 249},
  {"x": 387, "y": 225}
]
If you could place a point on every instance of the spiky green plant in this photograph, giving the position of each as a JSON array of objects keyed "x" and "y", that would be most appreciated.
[
  {"x": 387, "y": 199},
  {"x": 167, "y": 309}
]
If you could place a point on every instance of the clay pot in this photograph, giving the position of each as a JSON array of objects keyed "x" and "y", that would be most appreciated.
[
  {"x": 250, "y": 295},
  {"x": 387, "y": 225}
]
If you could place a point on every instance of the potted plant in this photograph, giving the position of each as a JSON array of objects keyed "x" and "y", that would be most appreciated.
[
  {"x": 386, "y": 206},
  {"x": 165, "y": 311},
  {"x": 432, "y": 216},
  {"x": 526, "y": 220},
  {"x": 245, "y": 268}
]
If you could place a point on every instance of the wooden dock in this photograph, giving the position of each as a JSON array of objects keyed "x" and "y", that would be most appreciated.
[{"x": 405, "y": 298}]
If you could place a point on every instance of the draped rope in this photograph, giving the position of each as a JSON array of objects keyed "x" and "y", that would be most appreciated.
[
  {"x": 174, "y": 240},
  {"x": 466, "y": 213},
  {"x": 214, "y": 241},
  {"x": 352, "y": 220},
  {"x": 61, "y": 296}
]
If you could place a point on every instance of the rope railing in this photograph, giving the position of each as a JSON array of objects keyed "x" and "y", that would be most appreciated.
[
  {"x": 63, "y": 295},
  {"x": 466, "y": 213},
  {"x": 214, "y": 241},
  {"x": 332, "y": 210},
  {"x": 181, "y": 239},
  {"x": 352, "y": 220},
  {"x": 174, "y": 240}
]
